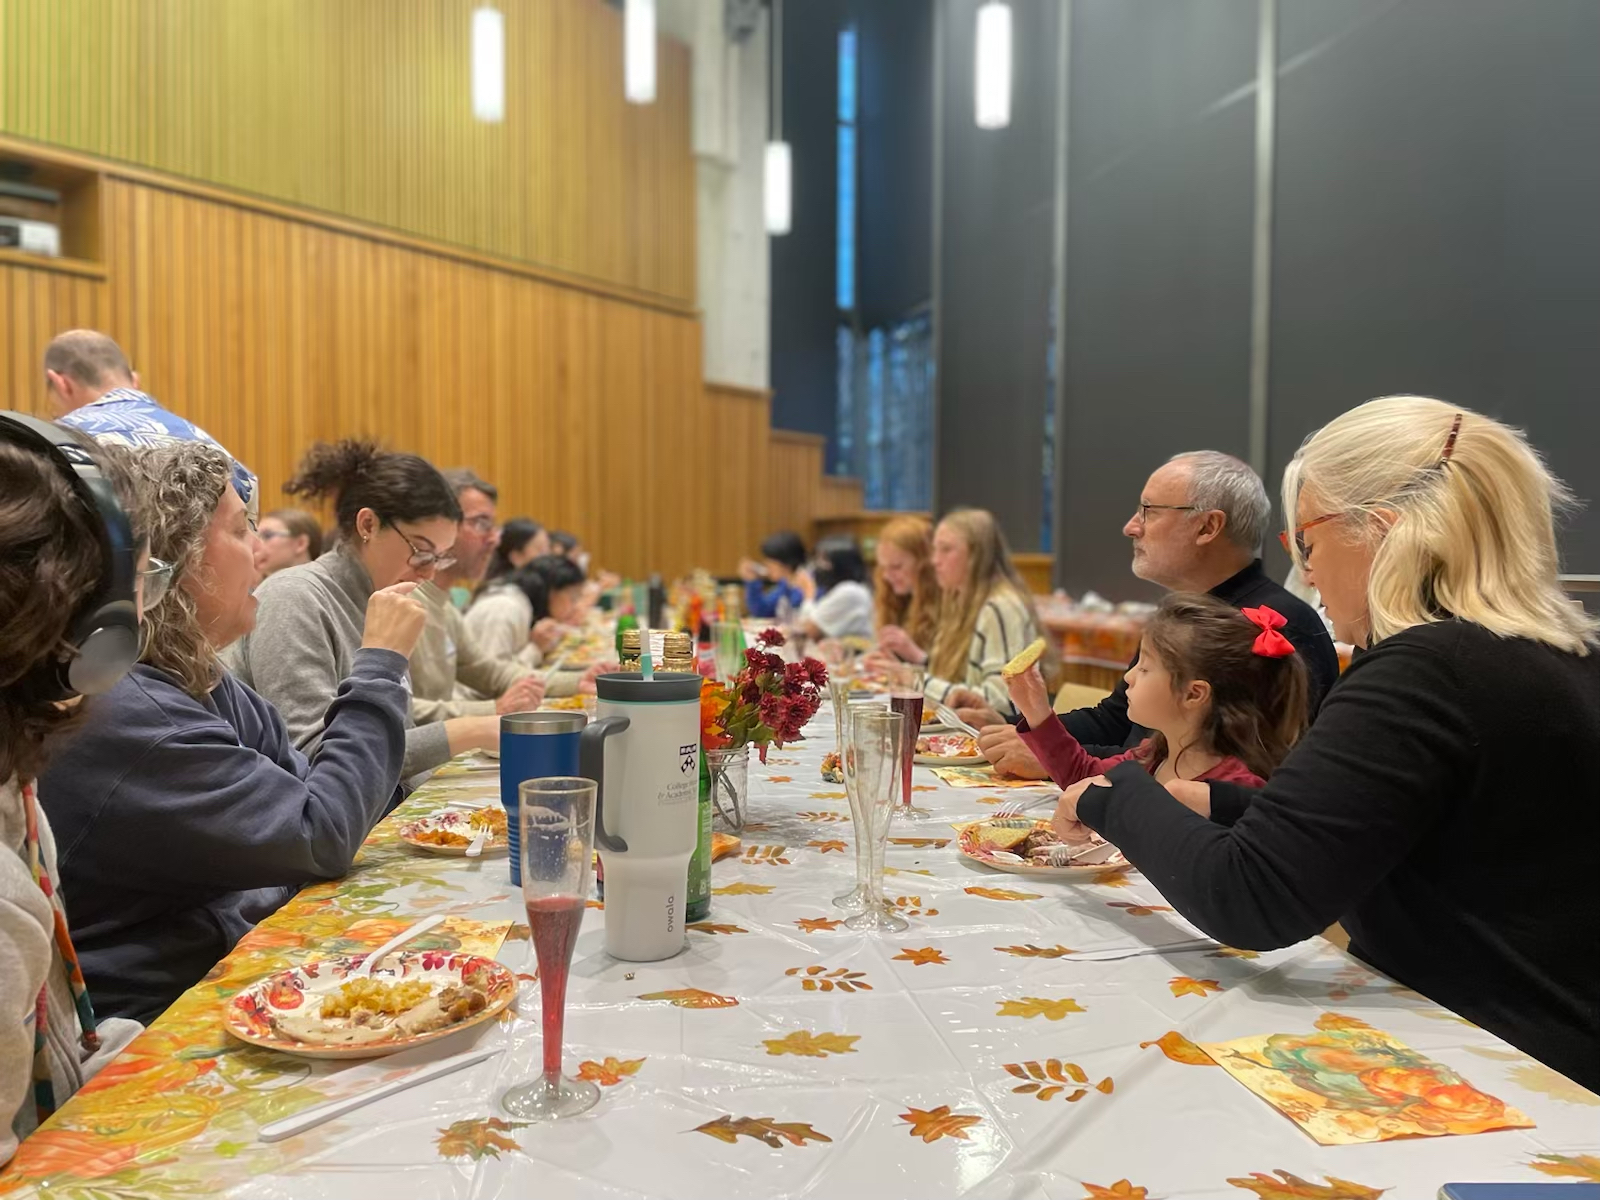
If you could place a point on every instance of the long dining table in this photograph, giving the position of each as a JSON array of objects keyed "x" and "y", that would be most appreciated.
[{"x": 1023, "y": 1038}]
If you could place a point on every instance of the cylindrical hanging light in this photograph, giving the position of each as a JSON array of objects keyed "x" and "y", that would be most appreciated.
[
  {"x": 639, "y": 51},
  {"x": 778, "y": 186},
  {"x": 992, "y": 79},
  {"x": 778, "y": 175},
  {"x": 489, "y": 64}
]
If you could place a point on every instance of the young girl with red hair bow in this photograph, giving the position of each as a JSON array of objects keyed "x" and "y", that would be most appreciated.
[{"x": 1222, "y": 692}]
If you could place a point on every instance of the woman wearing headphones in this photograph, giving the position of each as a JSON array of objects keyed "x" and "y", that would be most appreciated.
[{"x": 68, "y": 625}]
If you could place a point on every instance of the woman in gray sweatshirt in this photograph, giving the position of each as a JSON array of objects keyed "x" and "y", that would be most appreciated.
[
  {"x": 398, "y": 520},
  {"x": 185, "y": 812}
]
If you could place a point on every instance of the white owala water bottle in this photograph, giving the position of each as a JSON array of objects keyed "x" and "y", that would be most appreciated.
[{"x": 644, "y": 752}]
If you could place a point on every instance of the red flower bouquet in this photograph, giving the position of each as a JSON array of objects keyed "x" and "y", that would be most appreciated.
[{"x": 767, "y": 703}]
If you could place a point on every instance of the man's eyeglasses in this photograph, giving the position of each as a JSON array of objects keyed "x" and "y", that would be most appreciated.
[
  {"x": 421, "y": 558},
  {"x": 271, "y": 535},
  {"x": 483, "y": 524},
  {"x": 1146, "y": 509},
  {"x": 154, "y": 581}
]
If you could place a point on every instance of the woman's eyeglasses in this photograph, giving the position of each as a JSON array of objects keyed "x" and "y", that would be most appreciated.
[
  {"x": 422, "y": 559},
  {"x": 154, "y": 581}
]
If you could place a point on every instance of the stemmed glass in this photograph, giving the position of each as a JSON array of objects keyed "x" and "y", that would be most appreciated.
[
  {"x": 872, "y": 767},
  {"x": 557, "y": 817},
  {"x": 846, "y": 704},
  {"x": 905, "y": 697}
]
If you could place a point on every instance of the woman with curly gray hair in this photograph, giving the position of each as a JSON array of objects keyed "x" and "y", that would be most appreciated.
[{"x": 189, "y": 813}]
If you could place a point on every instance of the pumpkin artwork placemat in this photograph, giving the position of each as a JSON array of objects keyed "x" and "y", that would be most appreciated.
[{"x": 1349, "y": 1083}]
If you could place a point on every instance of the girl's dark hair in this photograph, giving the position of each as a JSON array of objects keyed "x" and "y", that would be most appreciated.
[
  {"x": 357, "y": 474},
  {"x": 515, "y": 535},
  {"x": 1259, "y": 705},
  {"x": 543, "y": 578},
  {"x": 839, "y": 561},
  {"x": 300, "y": 523},
  {"x": 563, "y": 542},
  {"x": 786, "y": 547},
  {"x": 51, "y": 562}
]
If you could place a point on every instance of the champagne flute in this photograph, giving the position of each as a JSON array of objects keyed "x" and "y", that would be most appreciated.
[
  {"x": 874, "y": 763},
  {"x": 906, "y": 698},
  {"x": 557, "y": 817},
  {"x": 845, "y": 704}
]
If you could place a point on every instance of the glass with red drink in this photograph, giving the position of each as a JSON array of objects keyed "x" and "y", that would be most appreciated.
[
  {"x": 557, "y": 848},
  {"x": 905, "y": 698}
]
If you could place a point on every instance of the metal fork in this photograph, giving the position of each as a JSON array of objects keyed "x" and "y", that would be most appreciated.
[{"x": 1016, "y": 810}]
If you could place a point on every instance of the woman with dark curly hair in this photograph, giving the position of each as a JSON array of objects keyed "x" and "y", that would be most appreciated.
[
  {"x": 398, "y": 519},
  {"x": 191, "y": 813},
  {"x": 66, "y": 556}
]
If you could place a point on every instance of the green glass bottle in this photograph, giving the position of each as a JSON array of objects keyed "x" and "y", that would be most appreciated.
[
  {"x": 699, "y": 891},
  {"x": 626, "y": 621}
]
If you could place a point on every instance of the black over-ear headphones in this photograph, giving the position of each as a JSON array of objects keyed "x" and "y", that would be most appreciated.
[{"x": 104, "y": 634}]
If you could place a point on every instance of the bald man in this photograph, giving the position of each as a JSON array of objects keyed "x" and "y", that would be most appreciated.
[{"x": 97, "y": 391}]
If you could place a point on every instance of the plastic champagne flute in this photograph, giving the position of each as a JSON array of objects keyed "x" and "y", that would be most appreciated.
[
  {"x": 557, "y": 817},
  {"x": 874, "y": 762}
]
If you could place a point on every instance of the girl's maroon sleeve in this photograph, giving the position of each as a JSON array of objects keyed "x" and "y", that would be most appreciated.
[{"x": 1064, "y": 756}]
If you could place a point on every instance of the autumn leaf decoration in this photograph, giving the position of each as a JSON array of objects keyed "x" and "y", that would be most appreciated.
[
  {"x": 692, "y": 998},
  {"x": 1576, "y": 1166},
  {"x": 709, "y": 927},
  {"x": 1115, "y": 877},
  {"x": 1292, "y": 1187},
  {"x": 742, "y": 889},
  {"x": 477, "y": 1138},
  {"x": 911, "y": 906},
  {"x": 765, "y": 856},
  {"x": 830, "y": 846},
  {"x": 920, "y": 843},
  {"x": 1120, "y": 1190},
  {"x": 1029, "y": 950},
  {"x": 935, "y": 1123},
  {"x": 819, "y": 979},
  {"x": 1137, "y": 910},
  {"x": 818, "y": 924},
  {"x": 1047, "y": 1080},
  {"x": 611, "y": 1072},
  {"x": 1183, "y": 985},
  {"x": 1036, "y": 1006},
  {"x": 770, "y": 1130},
  {"x": 1180, "y": 1049},
  {"x": 838, "y": 818},
  {"x": 927, "y": 956},
  {"x": 1230, "y": 952},
  {"x": 806, "y": 1044},
  {"x": 989, "y": 893}
]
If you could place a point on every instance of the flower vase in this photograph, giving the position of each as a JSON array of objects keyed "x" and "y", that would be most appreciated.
[{"x": 728, "y": 778}]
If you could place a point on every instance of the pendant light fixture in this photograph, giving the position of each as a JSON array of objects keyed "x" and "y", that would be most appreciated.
[
  {"x": 778, "y": 177},
  {"x": 489, "y": 64},
  {"x": 639, "y": 51},
  {"x": 991, "y": 90}
]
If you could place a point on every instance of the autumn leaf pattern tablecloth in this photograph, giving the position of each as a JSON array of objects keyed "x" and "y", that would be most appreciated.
[{"x": 783, "y": 1055}]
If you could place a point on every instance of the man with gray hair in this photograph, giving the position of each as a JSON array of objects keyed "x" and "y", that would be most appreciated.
[
  {"x": 96, "y": 390},
  {"x": 1199, "y": 526}
]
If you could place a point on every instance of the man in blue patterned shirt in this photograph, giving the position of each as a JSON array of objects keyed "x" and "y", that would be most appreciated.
[{"x": 97, "y": 391}]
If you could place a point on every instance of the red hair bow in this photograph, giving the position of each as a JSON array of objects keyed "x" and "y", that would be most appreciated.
[{"x": 1271, "y": 643}]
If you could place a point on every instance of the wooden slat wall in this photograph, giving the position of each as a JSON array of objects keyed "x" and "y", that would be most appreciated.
[
  {"x": 363, "y": 108},
  {"x": 794, "y": 479},
  {"x": 736, "y": 462}
]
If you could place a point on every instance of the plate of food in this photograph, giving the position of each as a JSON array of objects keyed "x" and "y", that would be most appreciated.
[
  {"x": 562, "y": 704},
  {"x": 1022, "y": 846},
  {"x": 948, "y": 750},
  {"x": 452, "y": 831},
  {"x": 321, "y": 1010}
]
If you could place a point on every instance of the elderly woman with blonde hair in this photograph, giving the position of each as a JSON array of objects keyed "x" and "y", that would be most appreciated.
[{"x": 1429, "y": 531}]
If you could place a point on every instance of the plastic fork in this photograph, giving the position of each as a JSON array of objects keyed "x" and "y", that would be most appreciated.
[
  {"x": 950, "y": 717},
  {"x": 1016, "y": 810}
]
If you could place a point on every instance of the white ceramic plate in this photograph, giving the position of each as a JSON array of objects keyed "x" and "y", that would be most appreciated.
[{"x": 1000, "y": 860}]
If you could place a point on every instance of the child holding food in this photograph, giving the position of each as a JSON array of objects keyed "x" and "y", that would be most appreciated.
[{"x": 1222, "y": 691}]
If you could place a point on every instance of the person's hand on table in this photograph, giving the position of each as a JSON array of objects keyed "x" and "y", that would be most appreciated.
[
  {"x": 896, "y": 641},
  {"x": 525, "y": 695},
  {"x": 586, "y": 684},
  {"x": 1065, "y": 823},
  {"x": 1031, "y": 697},
  {"x": 1003, "y": 746},
  {"x": 395, "y": 619},
  {"x": 1192, "y": 794},
  {"x": 547, "y": 634}
]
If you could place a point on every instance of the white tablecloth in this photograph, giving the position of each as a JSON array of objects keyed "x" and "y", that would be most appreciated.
[{"x": 921, "y": 1031}]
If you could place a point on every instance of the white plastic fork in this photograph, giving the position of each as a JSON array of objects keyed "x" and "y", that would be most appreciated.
[
  {"x": 474, "y": 850},
  {"x": 382, "y": 952},
  {"x": 953, "y": 719}
]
